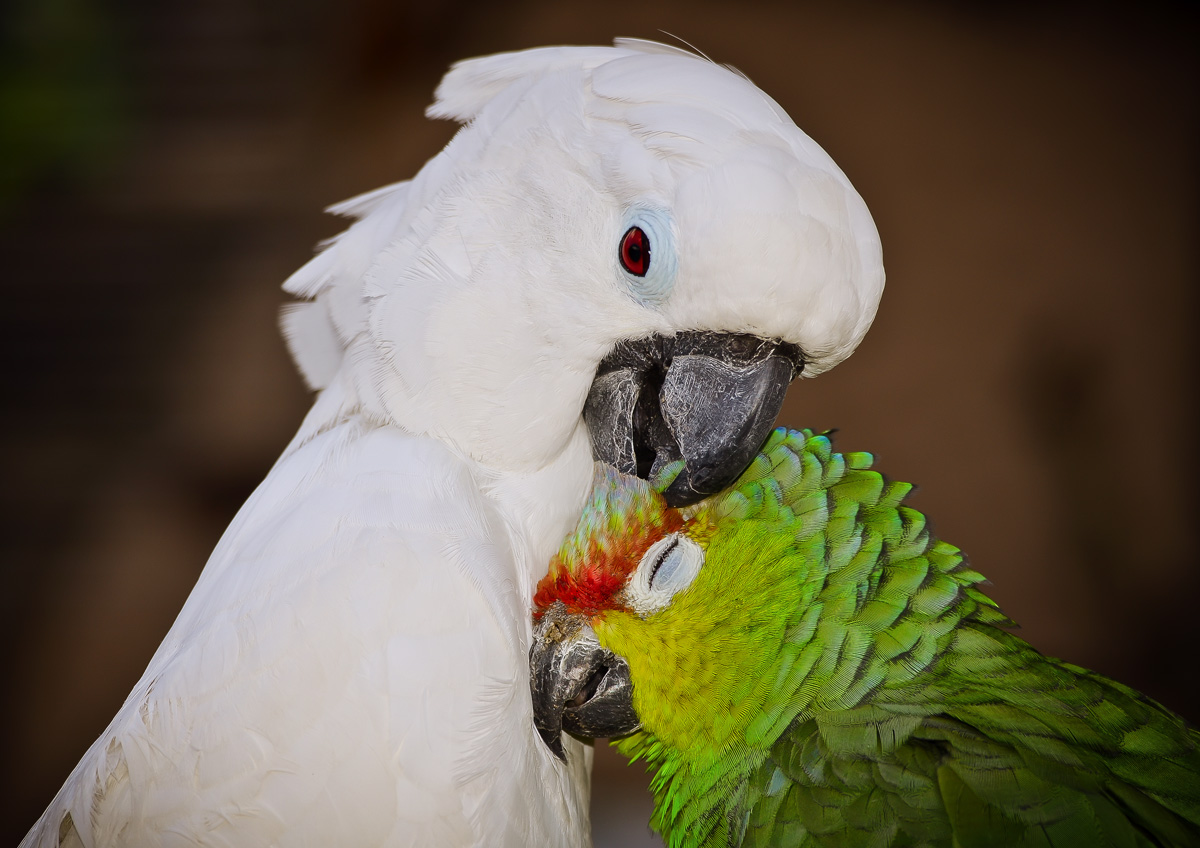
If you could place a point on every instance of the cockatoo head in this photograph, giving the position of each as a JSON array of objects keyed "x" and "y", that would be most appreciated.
[{"x": 632, "y": 232}]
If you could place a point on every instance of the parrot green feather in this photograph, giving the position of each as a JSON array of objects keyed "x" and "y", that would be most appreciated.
[{"x": 835, "y": 677}]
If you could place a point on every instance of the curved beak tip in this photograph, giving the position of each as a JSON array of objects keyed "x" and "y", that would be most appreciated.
[
  {"x": 708, "y": 399},
  {"x": 576, "y": 684},
  {"x": 553, "y": 740}
]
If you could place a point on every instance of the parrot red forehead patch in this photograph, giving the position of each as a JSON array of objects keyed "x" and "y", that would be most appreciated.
[
  {"x": 622, "y": 519},
  {"x": 593, "y": 583}
]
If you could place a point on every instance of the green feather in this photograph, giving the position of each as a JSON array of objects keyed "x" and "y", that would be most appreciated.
[{"x": 834, "y": 677}]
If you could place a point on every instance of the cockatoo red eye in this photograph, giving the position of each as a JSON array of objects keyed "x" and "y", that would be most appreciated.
[
  {"x": 647, "y": 255},
  {"x": 635, "y": 252}
]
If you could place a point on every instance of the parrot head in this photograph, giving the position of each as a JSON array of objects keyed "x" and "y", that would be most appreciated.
[
  {"x": 662, "y": 619},
  {"x": 630, "y": 232}
]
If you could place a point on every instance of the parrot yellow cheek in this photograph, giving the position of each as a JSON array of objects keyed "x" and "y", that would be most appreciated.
[{"x": 703, "y": 667}]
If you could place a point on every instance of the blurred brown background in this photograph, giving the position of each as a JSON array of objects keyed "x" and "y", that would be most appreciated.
[{"x": 1031, "y": 168}]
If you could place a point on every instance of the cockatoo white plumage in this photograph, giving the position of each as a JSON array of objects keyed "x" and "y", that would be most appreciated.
[{"x": 630, "y": 227}]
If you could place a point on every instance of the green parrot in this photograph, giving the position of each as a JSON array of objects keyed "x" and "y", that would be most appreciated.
[{"x": 801, "y": 662}]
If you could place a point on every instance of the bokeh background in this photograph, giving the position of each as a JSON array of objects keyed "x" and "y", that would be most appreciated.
[{"x": 1032, "y": 169}]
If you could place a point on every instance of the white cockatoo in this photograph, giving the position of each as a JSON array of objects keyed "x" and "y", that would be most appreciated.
[{"x": 626, "y": 253}]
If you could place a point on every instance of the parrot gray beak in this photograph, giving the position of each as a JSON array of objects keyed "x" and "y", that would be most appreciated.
[
  {"x": 577, "y": 685},
  {"x": 707, "y": 398}
]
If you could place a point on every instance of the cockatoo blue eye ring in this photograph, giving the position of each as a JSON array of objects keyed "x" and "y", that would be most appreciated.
[{"x": 654, "y": 284}]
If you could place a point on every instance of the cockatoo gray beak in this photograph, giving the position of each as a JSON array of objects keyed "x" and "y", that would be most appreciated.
[
  {"x": 707, "y": 398},
  {"x": 577, "y": 685}
]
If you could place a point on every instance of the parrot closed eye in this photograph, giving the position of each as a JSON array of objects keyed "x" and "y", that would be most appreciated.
[{"x": 802, "y": 663}]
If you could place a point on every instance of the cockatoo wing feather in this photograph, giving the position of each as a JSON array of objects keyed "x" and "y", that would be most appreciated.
[{"x": 322, "y": 586}]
